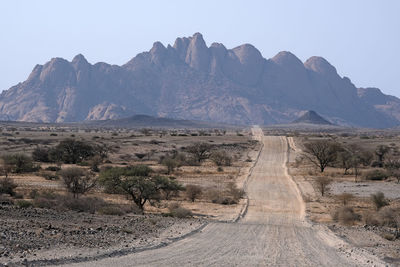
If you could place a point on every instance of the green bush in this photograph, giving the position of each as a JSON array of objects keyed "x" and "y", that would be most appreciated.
[
  {"x": 376, "y": 175},
  {"x": 7, "y": 186},
  {"x": 23, "y": 204},
  {"x": 20, "y": 163}
]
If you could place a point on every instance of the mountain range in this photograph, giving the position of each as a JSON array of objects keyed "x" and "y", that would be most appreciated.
[{"x": 192, "y": 81}]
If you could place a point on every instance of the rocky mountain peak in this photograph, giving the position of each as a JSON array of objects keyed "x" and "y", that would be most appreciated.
[
  {"x": 288, "y": 61},
  {"x": 320, "y": 65},
  {"x": 247, "y": 54},
  {"x": 198, "y": 55}
]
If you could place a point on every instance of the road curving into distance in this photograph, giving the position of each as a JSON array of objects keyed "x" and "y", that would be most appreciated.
[{"x": 273, "y": 232}]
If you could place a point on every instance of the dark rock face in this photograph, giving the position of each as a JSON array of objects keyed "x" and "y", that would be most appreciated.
[
  {"x": 192, "y": 81},
  {"x": 313, "y": 118}
]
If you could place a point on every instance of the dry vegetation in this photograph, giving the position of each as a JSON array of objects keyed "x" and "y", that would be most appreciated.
[
  {"x": 350, "y": 182},
  {"x": 120, "y": 172}
]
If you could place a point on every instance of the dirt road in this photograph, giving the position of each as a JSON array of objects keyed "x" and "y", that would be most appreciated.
[{"x": 273, "y": 232}]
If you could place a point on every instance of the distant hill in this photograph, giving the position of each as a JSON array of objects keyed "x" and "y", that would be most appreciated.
[
  {"x": 312, "y": 117},
  {"x": 192, "y": 81}
]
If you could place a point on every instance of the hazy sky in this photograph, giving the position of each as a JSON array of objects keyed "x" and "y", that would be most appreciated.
[{"x": 360, "y": 38}]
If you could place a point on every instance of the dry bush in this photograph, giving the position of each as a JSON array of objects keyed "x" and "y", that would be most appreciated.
[
  {"x": 193, "y": 191},
  {"x": 379, "y": 200},
  {"x": 177, "y": 211},
  {"x": 322, "y": 184},
  {"x": 221, "y": 197},
  {"x": 376, "y": 175},
  {"x": 371, "y": 218},
  {"x": 345, "y": 215},
  {"x": 387, "y": 216},
  {"x": 235, "y": 192},
  {"x": 345, "y": 198},
  {"x": 221, "y": 158}
]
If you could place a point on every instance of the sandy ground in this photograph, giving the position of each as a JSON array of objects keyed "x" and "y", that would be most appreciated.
[
  {"x": 273, "y": 231},
  {"x": 365, "y": 189}
]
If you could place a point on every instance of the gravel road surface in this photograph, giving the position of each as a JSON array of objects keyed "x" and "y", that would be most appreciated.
[{"x": 273, "y": 232}]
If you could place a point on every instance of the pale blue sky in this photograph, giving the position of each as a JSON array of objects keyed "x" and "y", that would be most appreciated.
[{"x": 360, "y": 38}]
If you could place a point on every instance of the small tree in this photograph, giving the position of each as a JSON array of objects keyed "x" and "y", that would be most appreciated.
[
  {"x": 193, "y": 191},
  {"x": 71, "y": 151},
  {"x": 345, "y": 160},
  {"x": 379, "y": 200},
  {"x": 393, "y": 167},
  {"x": 41, "y": 154},
  {"x": 77, "y": 181},
  {"x": 141, "y": 189},
  {"x": 381, "y": 152},
  {"x": 168, "y": 186},
  {"x": 200, "y": 151},
  {"x": 321, "y": 153},
  {"x": 322, "y": 184},
  {"x": 20, "y": 163},
  {"x": 170, "y": 163}
]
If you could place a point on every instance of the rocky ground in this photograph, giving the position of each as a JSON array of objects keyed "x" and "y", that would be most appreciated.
[
  {"x": 40, "y": 235},
  {"x": 372, "y": 239}
]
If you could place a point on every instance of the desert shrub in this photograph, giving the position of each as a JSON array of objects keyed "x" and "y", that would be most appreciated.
[
  {"x": 111, "y": 210},
  {"x": 366, "y": 157},
  {"x": 179, "y": 212},
  {"x": 221, "y": 158},
  {"x": 170, "y": 163},
  {"x": 18, "y": 196},
  {"x": 345, "y": 198},
  {"x": 41, "y": 154},
  {"x": 199, "y": 151},
  {"x": 77, "y": 181},
  {"x": 23, "y": 204},
  {"x": 140, "y": 155},
  {"x": 53, "y": 168},
  {"x": 379, "y": 200},
  {"x": 387, "y": 216},
  {"x": 376, "y": 175},
  {"x": 49, "y": 176},
  {"x": 34, "y": 193},
  {"x": 322, "y": 184},
  {"x": 20, "y": 163},
  {"x": 220, "y": 169},
  {"x": 193, "y": 191},
  {"x": 168, "y": 186},
  {"x": 370, "y": 218},
  {"x": 235, "y": 192},
  {"x": 53, "y": 134},
  {"x": 85, "y": 204},
  {"x": 7, "y": 186},
  {"x": 345, "y": 215}
]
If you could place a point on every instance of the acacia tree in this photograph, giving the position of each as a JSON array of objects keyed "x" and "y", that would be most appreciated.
[
  {"x": 137, "y": 182},
  {"x": 321, "y": 153},
  {"x": 200, "y": 151}
]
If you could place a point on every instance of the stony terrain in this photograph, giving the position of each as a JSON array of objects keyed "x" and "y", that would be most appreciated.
[
  {"x": 191, "y": 80},
  {"x": 40, "y": 235}
]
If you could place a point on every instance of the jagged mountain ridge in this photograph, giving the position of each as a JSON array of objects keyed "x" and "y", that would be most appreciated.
[{"x": 190, "y": 80}]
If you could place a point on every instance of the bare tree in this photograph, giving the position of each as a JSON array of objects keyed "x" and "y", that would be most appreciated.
[
  {"x": 321, "y": 153},
  {"x": 322, "y": 183},
  {"x": 193, "y": 191},
  {"x": 392, "y": 165},
  {"x": 77, "y": 181}
]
